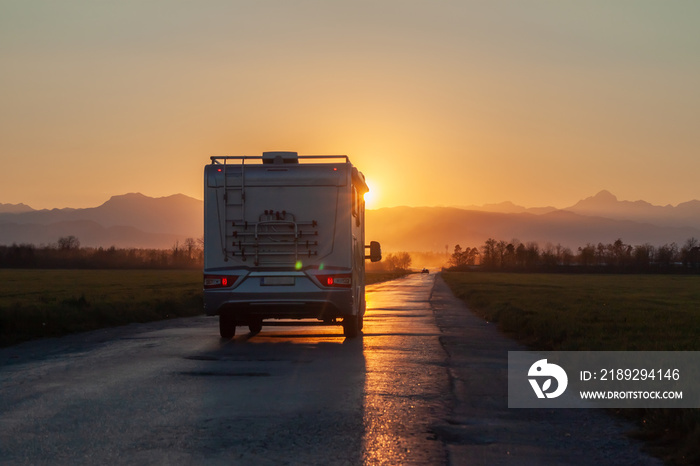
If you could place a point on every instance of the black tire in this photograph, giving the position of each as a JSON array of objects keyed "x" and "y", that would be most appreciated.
[
  {"x": 255, "y": 326},
  {"x": 227, "y": 325},
  {"x": 351, "y": 326}
]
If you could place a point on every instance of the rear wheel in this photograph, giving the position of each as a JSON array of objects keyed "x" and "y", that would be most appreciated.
[
  {"x": 255, "y": 326},
  {"x": 227, "y": 325},
  {"x": 351, "y": 326}
]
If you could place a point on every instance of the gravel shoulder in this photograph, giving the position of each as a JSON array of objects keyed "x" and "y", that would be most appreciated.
[{"x": 482, "y": 430}]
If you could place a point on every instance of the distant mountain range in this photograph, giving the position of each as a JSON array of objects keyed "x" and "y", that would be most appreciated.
[
  {"x": 135, "y": 220},
  {"x": 605, "y": 204},
  {"x": 600, "y": 218},
  {"x": 508, "y": 207},
  {"x": 433, "y": 228},
  {"x": 14, "y": 208},
  {"x": 129, "y": 220}
]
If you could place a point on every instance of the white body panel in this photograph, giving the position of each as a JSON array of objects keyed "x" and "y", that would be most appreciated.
[{"x": 277, "y": 233}]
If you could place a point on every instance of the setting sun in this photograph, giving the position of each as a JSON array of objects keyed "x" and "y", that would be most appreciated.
[{"x": 371, "y": 196}]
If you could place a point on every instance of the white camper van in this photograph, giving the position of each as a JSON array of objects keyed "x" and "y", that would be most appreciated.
[{"x": 284, "y": 238}]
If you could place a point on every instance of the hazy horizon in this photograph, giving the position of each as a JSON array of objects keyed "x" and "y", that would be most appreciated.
[
  {"x": 141, "y": 221},
  {"x": 449, "y": 103},
  {"x": 462, "y": 206}
]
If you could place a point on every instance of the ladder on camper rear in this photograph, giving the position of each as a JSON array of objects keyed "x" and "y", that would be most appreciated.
[
  {"x": 234, "y": 196},
  {"x": 234, "y": 211}
]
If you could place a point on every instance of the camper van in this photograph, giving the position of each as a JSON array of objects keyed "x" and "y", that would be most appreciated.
[{"x": 284, "y": 238}]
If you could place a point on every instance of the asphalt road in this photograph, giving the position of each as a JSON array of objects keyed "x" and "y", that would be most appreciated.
[
  {"x": 423, "y": 385},
  {"x": 174, "y": 393},
  {"x": 482, "y": 430}
]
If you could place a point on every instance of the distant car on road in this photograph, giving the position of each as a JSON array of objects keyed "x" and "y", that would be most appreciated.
[{"x": 425, "y": 271}]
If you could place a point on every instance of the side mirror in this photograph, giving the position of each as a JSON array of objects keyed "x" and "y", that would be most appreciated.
[{"x": 375, "y": 251}]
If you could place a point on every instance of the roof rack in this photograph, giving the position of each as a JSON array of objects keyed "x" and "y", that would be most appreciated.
[{"x": 221, "y": 159}]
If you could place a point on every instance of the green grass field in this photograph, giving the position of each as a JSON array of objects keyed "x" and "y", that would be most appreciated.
[
  {"x": 600, "y": 313},
  {"x": 588, "y": 312},
  {"x": 42, "y": 303}
]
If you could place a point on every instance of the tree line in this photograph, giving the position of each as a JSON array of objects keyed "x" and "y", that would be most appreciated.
[
  {"x": 617, "y": 256},
  {"x": 67, "y": 253},
  {"x": 392, "y": 262}
]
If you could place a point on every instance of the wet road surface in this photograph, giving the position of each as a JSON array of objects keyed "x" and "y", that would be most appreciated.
[
  {"x": 482, "y": 430},
  {"x": 175, "y": 393},
  {"x": 425, "y": 384}
]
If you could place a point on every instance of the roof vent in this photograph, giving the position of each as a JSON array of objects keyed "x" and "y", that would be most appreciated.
[{"x": 279, "y": 157}]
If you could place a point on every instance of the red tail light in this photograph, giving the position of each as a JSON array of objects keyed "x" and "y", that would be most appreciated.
[
  {"x": 343, "y": 280},
  {"x": 219, "y": 281}
]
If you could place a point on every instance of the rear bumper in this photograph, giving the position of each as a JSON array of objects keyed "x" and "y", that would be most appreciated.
[{"x": 305, "y": 299}]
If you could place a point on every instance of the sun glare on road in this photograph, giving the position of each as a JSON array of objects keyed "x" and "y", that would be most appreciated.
[{"x": 405, "y": 380}]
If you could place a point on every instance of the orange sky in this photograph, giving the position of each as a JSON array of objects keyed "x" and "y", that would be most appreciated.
[{"x": 438, "y": 103}]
